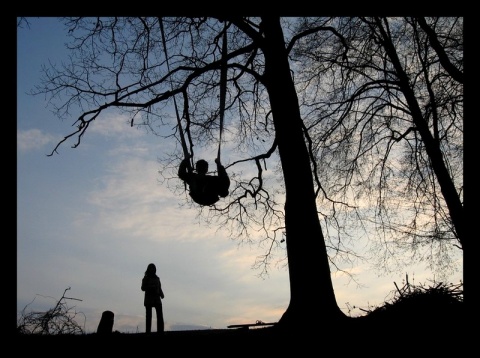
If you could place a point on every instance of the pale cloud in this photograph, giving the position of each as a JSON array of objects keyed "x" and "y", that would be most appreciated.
[
  {"x": 33, "y": 139},
  {"x": 115, "y": 126},
  {"x": 129, "y": 198}
]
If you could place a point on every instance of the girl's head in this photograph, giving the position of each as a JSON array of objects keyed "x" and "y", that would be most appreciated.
[{"x": 151, "y": 269}]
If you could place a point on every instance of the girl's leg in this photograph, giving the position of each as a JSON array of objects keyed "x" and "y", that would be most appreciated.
[{"x": 148, "y": 323}]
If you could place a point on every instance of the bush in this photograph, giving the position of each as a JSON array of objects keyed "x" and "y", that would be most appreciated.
[
  {"x": 58, "y": 320},
  {"x": 439, "y": 300}
]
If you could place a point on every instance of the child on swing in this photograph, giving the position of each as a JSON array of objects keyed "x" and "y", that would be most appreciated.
[{"x": 204, "y": 189}]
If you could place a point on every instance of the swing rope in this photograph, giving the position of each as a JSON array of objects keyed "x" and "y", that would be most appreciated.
[
  {"x": 182, "y": 137},
  {"x": 223, "y": 86},
  {"x": 223, "y": 90}
]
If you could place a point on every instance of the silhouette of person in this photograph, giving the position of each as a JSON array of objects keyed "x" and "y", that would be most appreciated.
[
  {"x": 152, "y": 287},
  {"x": 204, "y": 189}
]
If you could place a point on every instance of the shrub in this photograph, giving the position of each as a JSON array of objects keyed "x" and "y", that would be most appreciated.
[{"x": 58, "y": 320}]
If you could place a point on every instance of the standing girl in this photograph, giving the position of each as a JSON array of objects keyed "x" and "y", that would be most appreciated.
[{"x": 153, "y": 298}]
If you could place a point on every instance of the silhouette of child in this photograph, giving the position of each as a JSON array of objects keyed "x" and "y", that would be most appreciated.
[
  {"x": 204, "y": 189},
  {"x": 152, "y": 287}
]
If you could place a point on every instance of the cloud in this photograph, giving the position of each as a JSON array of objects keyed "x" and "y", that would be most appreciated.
[
  {"x": 115, "y": 126},
  {"x": 33, "y": 139}
]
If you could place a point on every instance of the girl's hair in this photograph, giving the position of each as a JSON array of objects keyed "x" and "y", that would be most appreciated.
[{"x": 151, "y": 269}]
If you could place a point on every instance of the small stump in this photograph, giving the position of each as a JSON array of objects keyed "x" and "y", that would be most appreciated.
[{"x": 106, "y": 323}]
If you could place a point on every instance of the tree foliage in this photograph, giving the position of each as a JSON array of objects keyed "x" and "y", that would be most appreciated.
[{"x": 383, "y": 104}]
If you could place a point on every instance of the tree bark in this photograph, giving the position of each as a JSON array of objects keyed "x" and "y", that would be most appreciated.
[{"x": 312, "y": 297}]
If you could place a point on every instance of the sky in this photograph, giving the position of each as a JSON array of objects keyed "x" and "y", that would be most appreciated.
[{"x": 90, "y": 220}]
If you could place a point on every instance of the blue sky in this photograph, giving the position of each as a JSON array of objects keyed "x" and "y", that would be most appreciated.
[{"x": 93, "y": 218}]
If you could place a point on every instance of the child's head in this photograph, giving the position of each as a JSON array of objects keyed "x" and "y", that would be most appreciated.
[
  {"x": 151, "y": 269},
  {"x": 202, "y": 166}
]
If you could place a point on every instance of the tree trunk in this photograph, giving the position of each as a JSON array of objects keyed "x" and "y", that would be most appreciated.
[{"x": 312, "y": 298}]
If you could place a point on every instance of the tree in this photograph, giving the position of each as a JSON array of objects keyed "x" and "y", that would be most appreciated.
[
  {"x": 124, "y": 64},
  {"x": 392, "y": 128}
]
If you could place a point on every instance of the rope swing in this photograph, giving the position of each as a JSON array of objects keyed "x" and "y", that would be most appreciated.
[
  {"x": 223, "y": 90},
  {"x": 223, "y": 86},
  {"x": 179, "y": 121},
  {"x": 204, "y": 189}
]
